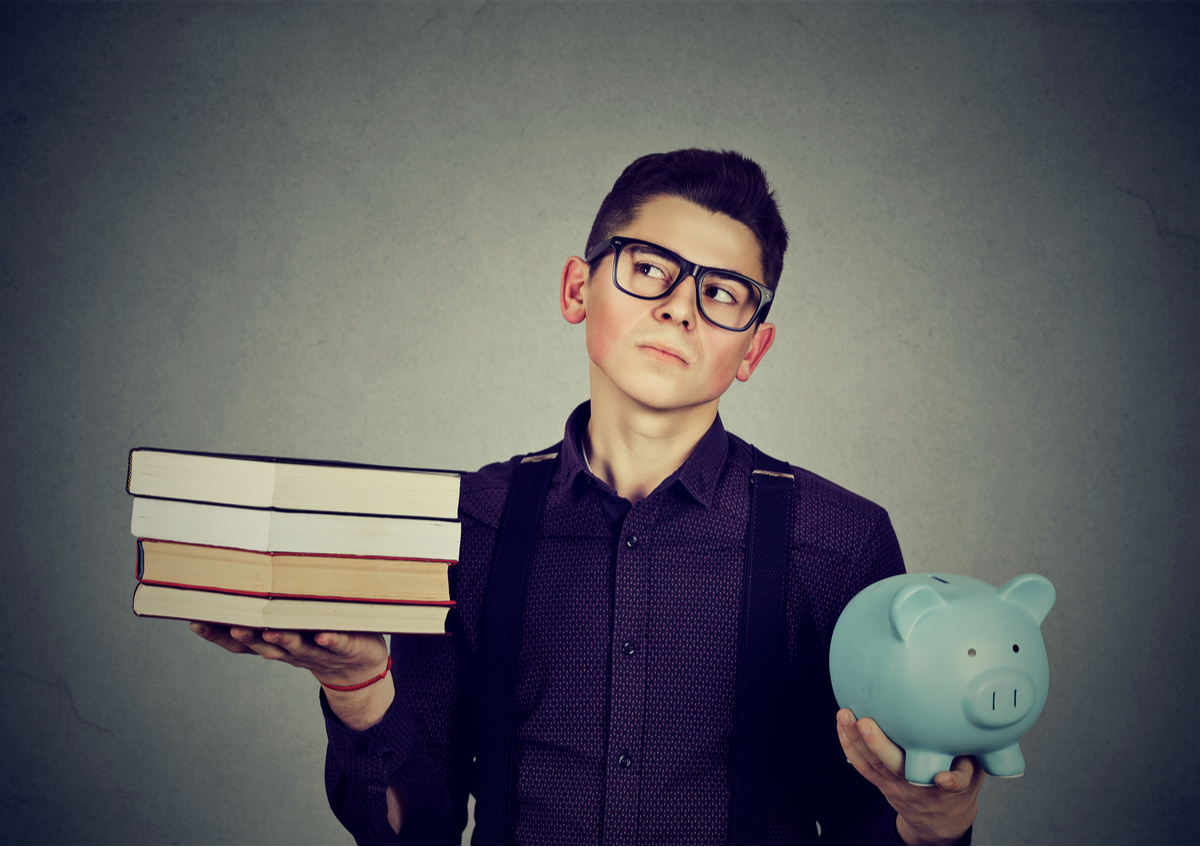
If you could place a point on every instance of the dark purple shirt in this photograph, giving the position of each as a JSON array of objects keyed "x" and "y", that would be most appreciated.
[{"x": 627, "y": 665}]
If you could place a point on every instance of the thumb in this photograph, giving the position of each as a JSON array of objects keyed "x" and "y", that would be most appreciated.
[{"x": 958, "y": 778}]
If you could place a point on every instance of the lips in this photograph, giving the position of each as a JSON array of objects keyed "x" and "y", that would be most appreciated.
[{"x": 663, "y": 352}]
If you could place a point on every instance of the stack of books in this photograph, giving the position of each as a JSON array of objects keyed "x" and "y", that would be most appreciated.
[{"x": 293, "y": 544}]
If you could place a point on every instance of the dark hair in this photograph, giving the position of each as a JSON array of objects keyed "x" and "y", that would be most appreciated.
[{"x": 720, "y": 181}]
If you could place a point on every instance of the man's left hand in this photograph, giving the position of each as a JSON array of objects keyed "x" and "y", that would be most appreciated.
[{"x": 933, "y": 814}]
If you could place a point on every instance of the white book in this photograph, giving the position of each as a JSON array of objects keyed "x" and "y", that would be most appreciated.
[
  {"x": 295, "y": 484},
  {"x": 270, "y": 531},
  {"x": 160, "y": 601}
]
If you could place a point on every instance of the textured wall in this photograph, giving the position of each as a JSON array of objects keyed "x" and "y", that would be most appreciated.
[{"x": 335, "y": 231}]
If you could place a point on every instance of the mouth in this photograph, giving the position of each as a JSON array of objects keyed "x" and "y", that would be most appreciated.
[{"x": 663, "y": 353}]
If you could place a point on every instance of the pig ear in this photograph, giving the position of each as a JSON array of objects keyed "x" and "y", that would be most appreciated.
[
  {"x": 909, "y": 604},
  {"x": 1032, "y": 592}
]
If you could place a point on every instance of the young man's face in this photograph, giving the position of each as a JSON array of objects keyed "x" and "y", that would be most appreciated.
[{"x": 663, "y": 354}]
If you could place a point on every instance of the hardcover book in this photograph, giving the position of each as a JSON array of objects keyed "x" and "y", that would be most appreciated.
[
  {"x": 293, "y": 484},
  {"x": 293, "y": 544},
  {"x": 272, "y": 531},
  {"x": 293, "y": 575},
  {"x": 281, "y": 613}
]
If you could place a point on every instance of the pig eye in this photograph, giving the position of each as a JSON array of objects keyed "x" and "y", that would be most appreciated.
[
  {"x": 971, "y": 652},
  {"x": 1016, "y": 649}
]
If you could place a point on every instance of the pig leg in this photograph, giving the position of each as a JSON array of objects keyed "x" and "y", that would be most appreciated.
[
  {"x": 1005, "y": 762},
  {"x": 921, "y": 766}
]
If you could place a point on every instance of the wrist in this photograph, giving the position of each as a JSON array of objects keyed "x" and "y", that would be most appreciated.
[
  {"x": 358, "y": 685},
  {"x": 362, "y": 708},
  {"x": 909, "y": 834}
]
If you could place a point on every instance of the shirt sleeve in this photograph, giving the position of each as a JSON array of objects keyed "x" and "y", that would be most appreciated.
[
  {"x": 411, "y": 746},
  {"x": 851, "y": 809},
  {"x": 425, "y": 743},
  {"x": 823, "y": 785}
]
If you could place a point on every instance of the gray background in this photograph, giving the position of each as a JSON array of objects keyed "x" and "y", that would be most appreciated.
[{"x": 335, "y": 231}]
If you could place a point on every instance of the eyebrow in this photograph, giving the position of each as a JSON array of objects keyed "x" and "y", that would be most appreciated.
[
  {"x": 655, "y": 249},
  {"x": 667, "y": 253}
]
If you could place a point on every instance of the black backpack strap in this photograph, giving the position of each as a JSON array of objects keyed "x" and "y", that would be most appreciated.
[
  {"x": 499, "y": 644},
  {"x": 762, "y": 652}
]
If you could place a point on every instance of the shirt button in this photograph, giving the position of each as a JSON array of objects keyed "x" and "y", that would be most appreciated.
[
  {"x": 631, "y": 542},
  {"x": 624, "y": 761},
  {"x": 627, "y": 648}
]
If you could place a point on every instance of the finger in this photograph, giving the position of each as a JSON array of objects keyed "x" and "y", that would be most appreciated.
[
  {"x": 854, "y": 744},
  {"x": 852, "y": 741},
  {"x": 881, "y": 746},
  {"x": 859, "y": 754},
  {"x": 294, "y": 643},
  {"x": 354, "y": 646},
  {"x": 253, "y": 639},
  {"x": 336, "y": 642},
  {"x": 219, "y": 635}
]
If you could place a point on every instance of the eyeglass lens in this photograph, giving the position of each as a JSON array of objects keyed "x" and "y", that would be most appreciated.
[{"x": 645, "y": 271}]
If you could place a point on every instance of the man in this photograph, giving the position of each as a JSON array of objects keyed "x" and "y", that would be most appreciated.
[{"x": 628, "y": 644}]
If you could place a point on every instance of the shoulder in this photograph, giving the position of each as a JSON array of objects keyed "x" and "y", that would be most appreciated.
[
  {"x": 825, "y": 514},
  {"x": 829, "y": 517},
  {"x": 482, "y": 494},
  {"x": 841, "y": 542}
]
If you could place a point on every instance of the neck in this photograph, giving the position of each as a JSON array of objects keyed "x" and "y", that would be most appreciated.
[{"x": 633, "y": 447}]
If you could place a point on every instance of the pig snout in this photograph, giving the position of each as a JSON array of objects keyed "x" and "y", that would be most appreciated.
[{"x": 999, "y": 697}]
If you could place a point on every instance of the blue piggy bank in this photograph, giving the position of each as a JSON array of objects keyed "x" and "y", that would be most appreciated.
[{"x": 947, "y": 666}]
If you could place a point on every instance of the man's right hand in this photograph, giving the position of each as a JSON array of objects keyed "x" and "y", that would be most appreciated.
[{"x": 334, "y": 658}]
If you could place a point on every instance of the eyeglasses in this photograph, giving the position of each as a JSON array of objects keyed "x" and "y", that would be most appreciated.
[{"x": 649, "y": 272}]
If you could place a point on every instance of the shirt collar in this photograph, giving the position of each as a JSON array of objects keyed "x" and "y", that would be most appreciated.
[{"x": 698, "y": 475}]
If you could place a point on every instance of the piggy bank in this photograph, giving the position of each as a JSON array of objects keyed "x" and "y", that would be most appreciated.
[{"x": 947, "y": 666}]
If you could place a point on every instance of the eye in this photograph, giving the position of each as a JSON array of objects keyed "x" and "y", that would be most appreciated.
[
  {"x": 971, "y": 652},
  {"x": 720, "y": 295},
  {"x": 652, "y": 271},
  {"x": 1016, "y": 649}
]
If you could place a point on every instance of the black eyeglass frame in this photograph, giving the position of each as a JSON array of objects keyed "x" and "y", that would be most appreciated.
[{"x": 697, "y": 272}]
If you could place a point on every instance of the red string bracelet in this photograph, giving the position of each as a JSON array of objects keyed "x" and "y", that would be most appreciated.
[{"x": 370, "y": 681}]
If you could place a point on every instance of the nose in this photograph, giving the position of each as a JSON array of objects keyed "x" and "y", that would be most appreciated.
[
  {"x": 999, "y": 697},
  {"x": 680, "y": 305}
]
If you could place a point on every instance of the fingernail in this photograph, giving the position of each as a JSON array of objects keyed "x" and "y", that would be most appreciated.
[
  {"x": 200, "y": 629},
  {"x": 865, "y": 729}
]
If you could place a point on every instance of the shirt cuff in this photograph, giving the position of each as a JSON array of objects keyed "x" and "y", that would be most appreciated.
[
  {"x": 360, "y": 753},
  {"x": 881, "y": 837}
]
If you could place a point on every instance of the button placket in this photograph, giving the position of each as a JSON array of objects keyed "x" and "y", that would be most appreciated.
[{"x": 627, "y": 716}]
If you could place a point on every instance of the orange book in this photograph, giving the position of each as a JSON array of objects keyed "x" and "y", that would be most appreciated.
[{"x": 262, "y": 574}]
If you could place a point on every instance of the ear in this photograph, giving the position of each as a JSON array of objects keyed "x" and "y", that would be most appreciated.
[
  {"x": 764, "y": 335},
  {"x": 570, "y": 297},
  {"x": 1032, "y": 592},
  {"x": 909, "y": 604}
]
